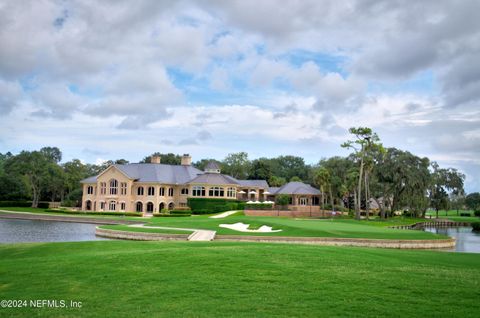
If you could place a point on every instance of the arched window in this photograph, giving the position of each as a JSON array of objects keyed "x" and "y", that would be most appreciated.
[
  {"x": 171, "y": 206},
  {"x": 123, "y": 188},
  {"x": 170, "y": 192},
  {"x": 231, "y": 192},
  {"x": 149, "y": 207},
  {"x": 103, "y": 188},
  {"x": 162, "y": 192},
  {"x": 89, "y": 190},
  {"x": 185, "y": 191},
  {"x": 88, "y": 205},
  {"x": 112, "y": 206},
  {"x": 122, "y": 206},
  {"x": 198, "y": 191},
  {"x": 161, "y": 206},
  {"x": 151, "y": 190},
  {"x": 140, "y": 191},
  {"x": 139, "y": 207},
  {"x": 113, "y": 186},
  {"x": 102, "y": 206},
  {"x": 216, "y": 192}
]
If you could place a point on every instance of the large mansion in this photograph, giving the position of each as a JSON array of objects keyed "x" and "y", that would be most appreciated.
[{"x": 151, "y": 187}]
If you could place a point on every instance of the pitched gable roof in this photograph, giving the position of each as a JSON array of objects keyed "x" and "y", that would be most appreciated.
[
  {"x": 295, "y": 188},
  {"x": 214, "y": 178}
]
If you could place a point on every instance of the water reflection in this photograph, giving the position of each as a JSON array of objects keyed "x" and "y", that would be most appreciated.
[
  {"x": 14, "y": 231},
  {"x": 467, "y": 241}
]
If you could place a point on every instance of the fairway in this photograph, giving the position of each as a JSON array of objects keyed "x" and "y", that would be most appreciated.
[
  {"x": 301, "y": 227},
  {"x": 180, "y": 279}
]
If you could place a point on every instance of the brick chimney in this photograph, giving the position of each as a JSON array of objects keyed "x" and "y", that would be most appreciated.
[
  {"x": 186, "y": 160},
  {"x": 155, "y": 159}
]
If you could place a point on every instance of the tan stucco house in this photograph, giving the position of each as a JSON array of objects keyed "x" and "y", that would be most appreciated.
[{"x": 151, "y": 187}]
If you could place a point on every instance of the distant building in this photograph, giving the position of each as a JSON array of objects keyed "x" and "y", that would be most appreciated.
[{"x": 151, "y": 187}]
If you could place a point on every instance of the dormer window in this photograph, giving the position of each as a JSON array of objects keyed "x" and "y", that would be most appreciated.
[{"x": 212, "y": 167}]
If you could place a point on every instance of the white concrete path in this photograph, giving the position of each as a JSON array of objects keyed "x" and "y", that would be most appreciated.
[
  {"x": 197, "y": 235},
  {"x": 223, "y": 215}
]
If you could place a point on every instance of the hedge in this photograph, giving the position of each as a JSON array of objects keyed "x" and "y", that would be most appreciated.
[
  {"x": 207, "y": 206},
  {"x": 259, "y": 206},
  {"x": 171, "y": 215},
  {"x": 477, "y": 213},
  {"x": 22, "y": 204},
  {"x": 95, "y": 212},
  {"x": 476, "y": 226}
]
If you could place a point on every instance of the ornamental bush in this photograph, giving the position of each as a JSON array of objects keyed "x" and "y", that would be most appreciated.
[
  {"x": 477, "y": 213},
  {"x": 258, "y": 206},
  {"x": 476, "y": 226},
  {"x": 207, "y": 205},
  {"x": 15, "y": 204}
]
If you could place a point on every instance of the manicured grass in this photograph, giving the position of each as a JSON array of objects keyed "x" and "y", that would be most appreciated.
[
  {"x": 346, "y": 228},
  {"x": 226, "y": 279},
  {"x": 445, "y": 213},
  {"x": 302, "y": 227},
  {"x": 140, "y": 229}
]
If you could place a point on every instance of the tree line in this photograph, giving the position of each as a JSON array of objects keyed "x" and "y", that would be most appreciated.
[{"x": 392, "y": 178}]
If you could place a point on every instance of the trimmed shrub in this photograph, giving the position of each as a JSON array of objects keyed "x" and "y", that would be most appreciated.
[
  {"x": 43, "y": 205},
  {"x": 464, "y": 214},
  {"x": 258, "y": 206},
  {"x": 477, "y": 213},
  {"x": 181, "y": 212},
  {"x": 170, "y": 215},
  {"x": 94, "y": 212},
  {"x": 207, "y": 205},
  {"x": 22, "y": 204},
  {"x": 165, "y": 211},
  {"x": 476, "y": 226}
]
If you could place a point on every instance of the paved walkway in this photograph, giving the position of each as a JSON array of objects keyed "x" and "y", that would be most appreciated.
[
  {"x": 223, "y": 215},
  {"x": 197, "y": 235}
]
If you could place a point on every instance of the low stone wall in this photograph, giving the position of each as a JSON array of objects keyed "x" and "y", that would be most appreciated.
[
  {"x": 331, "y": 241},
  {"x": 4, "y": 214},
  {"x": 292, "y": 213},
  {"x": 140, "y": 236}
]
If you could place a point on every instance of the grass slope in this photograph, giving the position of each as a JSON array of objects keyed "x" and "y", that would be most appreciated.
[{"x": 177, "y": 279}]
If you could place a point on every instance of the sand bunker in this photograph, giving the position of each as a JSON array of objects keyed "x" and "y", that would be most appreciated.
[{"x": 242, "y": 227}]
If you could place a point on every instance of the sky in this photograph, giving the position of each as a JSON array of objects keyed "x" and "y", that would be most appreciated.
[{"x": 121, "y": 79}]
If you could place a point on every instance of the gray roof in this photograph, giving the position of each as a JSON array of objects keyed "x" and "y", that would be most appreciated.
[
  {"x": 253, "y": 183},
  {"x": 296, "y": 188},
  {"x": 214, "y": 178},
  {"x": 152, "y": 172},
  {"x": 212, "y": 165}
]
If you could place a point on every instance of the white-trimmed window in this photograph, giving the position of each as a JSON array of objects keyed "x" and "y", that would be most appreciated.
[
  {"x": 103, "y": 188},
  {"x": 231, "y": 192},
  {"x": 151, "y": 190},
  {"x": 161, "y": 192},
  {"x": 113, "y": 186},
  {"x": 90, "y": 190},
  {"x": 112, "y": 206},
  {"x": 170, "y": 192},
  {"x": 140, "y": 191},
  {"x": 198, "y": 191},
  {"x": 122, "y": 206},
  {"x": 303, "y": 201},
  {"x": 216, "y": 192},
  {"x": 123, "y": 188},
  {"x": 185, "y": 191}
]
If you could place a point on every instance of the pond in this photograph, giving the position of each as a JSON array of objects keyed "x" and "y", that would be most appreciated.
[
  {"x": 16, "y": 231},
  {"x": 467, "y": 241}
]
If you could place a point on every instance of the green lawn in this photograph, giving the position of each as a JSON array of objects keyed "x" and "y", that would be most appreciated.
[
  {"x": 445, "y": 213},
  {"x": 302, "y": 227},
  {"x": 345, "y": 228},
  {"x": 226, "y": 279}
]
